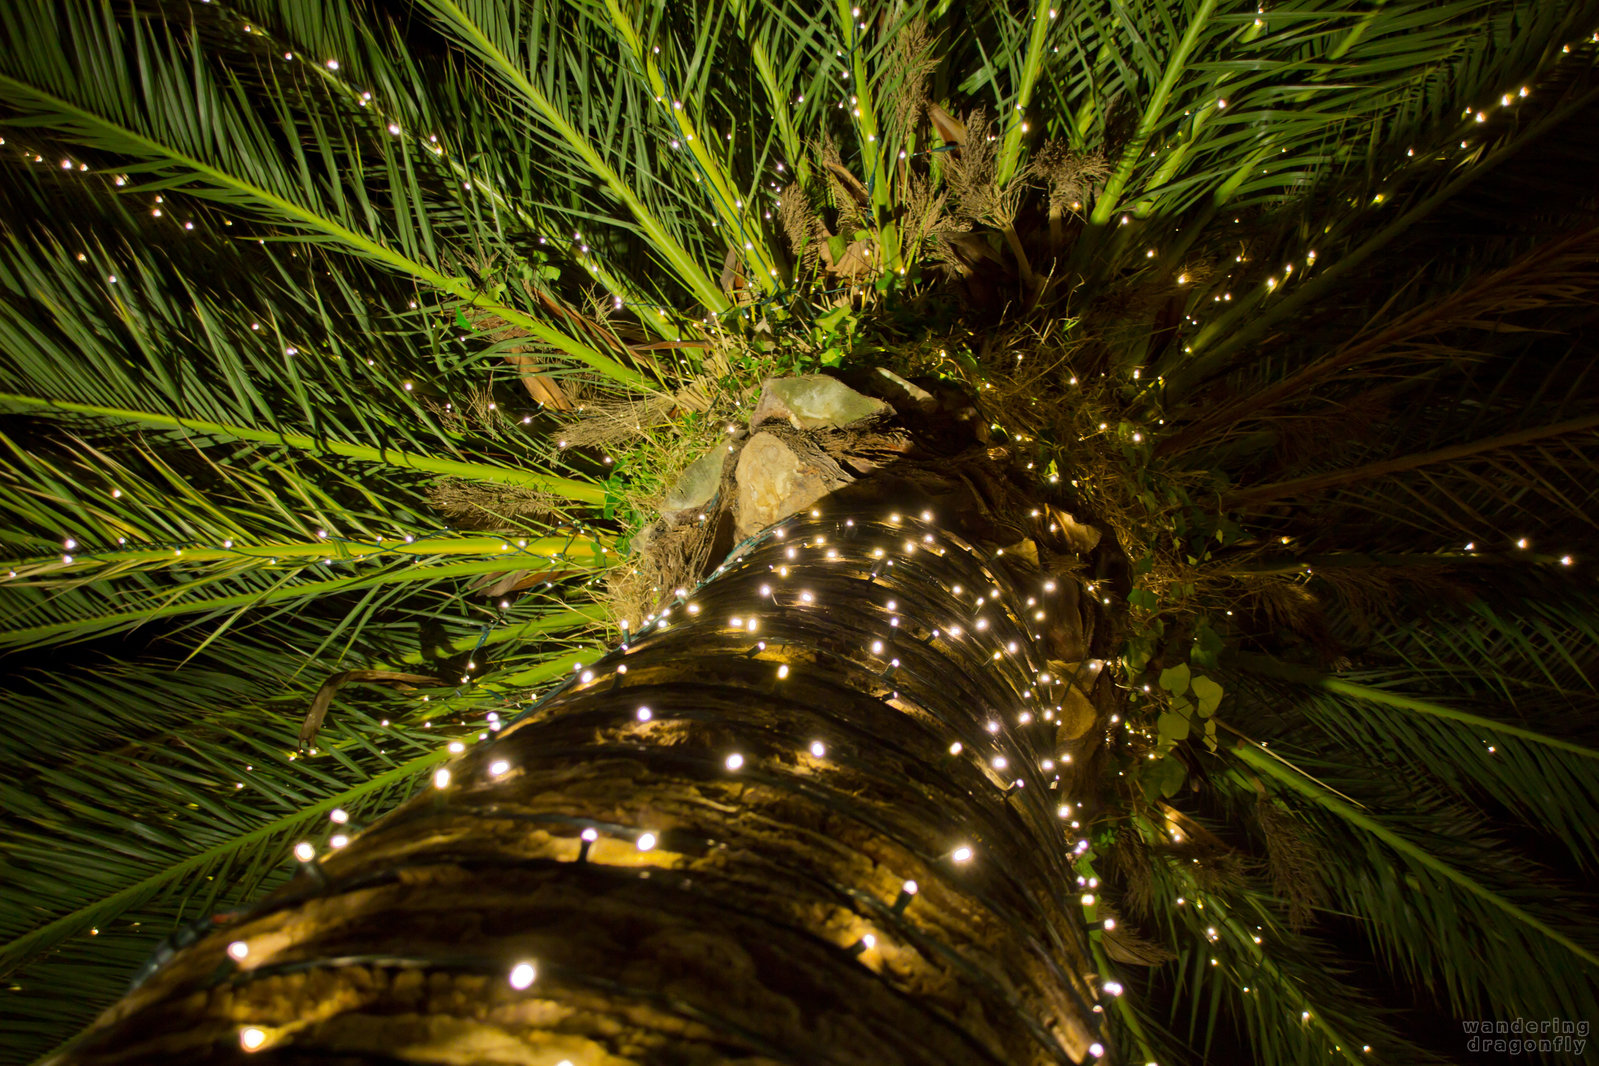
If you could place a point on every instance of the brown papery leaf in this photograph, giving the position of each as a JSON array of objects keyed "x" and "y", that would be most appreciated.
[
  {"x": 851, "y": 183},
  {"x": 950, "y": 128}
]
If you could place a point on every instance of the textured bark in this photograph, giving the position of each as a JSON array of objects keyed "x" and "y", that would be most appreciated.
[{"x": 770, "y": 922}]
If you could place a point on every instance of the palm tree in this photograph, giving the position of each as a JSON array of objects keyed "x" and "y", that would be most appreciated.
[{"x": 349, "y": 350}]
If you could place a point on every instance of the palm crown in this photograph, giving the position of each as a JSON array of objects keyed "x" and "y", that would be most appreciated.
[{"x": 346, "y": 344}]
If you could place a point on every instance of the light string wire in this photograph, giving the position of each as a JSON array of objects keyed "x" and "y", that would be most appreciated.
[{"x": 510, "y": 547}]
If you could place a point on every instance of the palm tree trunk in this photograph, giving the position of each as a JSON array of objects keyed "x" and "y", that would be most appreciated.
[{"x": 811, "y": 815}]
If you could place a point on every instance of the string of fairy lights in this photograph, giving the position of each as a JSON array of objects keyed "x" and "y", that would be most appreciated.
[
  {"x": 789, "y": 584},
  {"x": 1275, "y": 283},
  {"x": 576, "y": 247},
  {"x": 663, "y": 623},
  {"x": 327, "y": 550},
  {"x": 330, "y": 70},
  {"x": 523, "y": 974},
  {"x": 782, "y": 574}
]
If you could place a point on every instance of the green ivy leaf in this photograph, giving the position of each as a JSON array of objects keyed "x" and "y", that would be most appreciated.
[
  {"x": 833, "y": 319},
  {"x": 1142, "y": 598},
  {"x": 1207, "y": 647},
  {"x": 1167, "y": 776},
  {"x": 1172, "y": 727},
  {"x": 1209, "y": 694},
  {"x": 1139, "y": 649},
  {"x": 1174, "y": 679}
]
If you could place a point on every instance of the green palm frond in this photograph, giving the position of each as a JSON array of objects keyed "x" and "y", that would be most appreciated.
[
  {"x": 288, "y": 168},
  {"x": 301, "y": 300},
  {"x": 185, "y": 791},
  {"x": 1461, "y": 883}
]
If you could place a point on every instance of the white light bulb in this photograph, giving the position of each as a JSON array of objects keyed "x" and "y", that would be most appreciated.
[
  {"x": 522, "y": 975},
  {"x": 590, "y": 835},
  {"x": 818, "y": 749},
  {"x": 441, "y": 778},
  {"x": 646, "y": 841},
  {"x": 962, "y": 854},
  {"x": 735, "y": 761},
  {"x": 251, "y": 1037},
  {"x": 338, "y": 816},
  {"x": 304, "y": 851},
  {"x": 238, "y": 949},
  {"x": 498, "y": 767}
]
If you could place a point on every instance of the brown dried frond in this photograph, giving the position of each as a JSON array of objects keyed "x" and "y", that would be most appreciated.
[
  {"x": 491, "y": 508},
  {"x": 845, "y": 196},
  {"x": 972, "y": 176},
  {"x": 1129, "y": 860},
  {"x": 664, "y": 557},
  {"x": 969, "y": 173},
  {"x": 479, "y": 405},
  {"x": 604, "y": 424},
  {"x": 1306, "y": 435},
  {"x": 911, "y": 59},
  {"x": 601, "y": 305},
  {"x": 733, "y": 279},
  {"x": 924, "y": 215},
  {"x": 1069, "y": 176},
  {"x": 1124, "y": 945},
  {"x": 1371, "y": 593},
  {"x": 451, "y": 419},
  {"x": 1128, "y": 312},
  {"x": 475, "y": 409},
  {"x": 1218, "y": 871},
  {"x": 1287, "y": 605},
  {"x": 801, "y": 225},
  {"x": 945, "y": 251},
  {"x": 1294, "y": 861}
]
